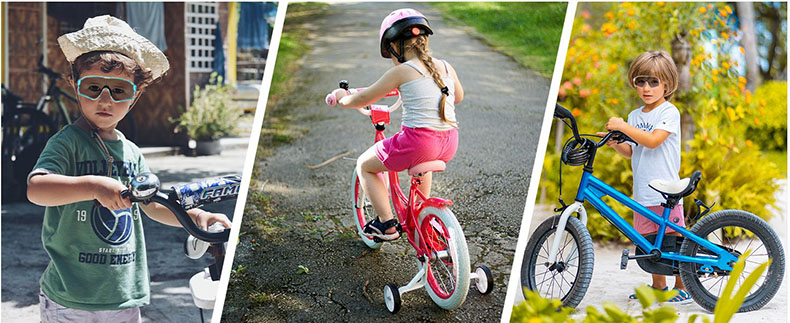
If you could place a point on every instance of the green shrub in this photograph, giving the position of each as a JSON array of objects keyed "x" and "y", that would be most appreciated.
[
  {"x": 770, "y": 130},
  {"x": 211, "y": 114},
  {"x": 606, "y": 37},
  {"x": 536, "y": 309}
]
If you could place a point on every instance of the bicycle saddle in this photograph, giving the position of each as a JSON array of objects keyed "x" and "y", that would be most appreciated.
[
  {"x": 676, "y": 189},
  {"x": 431, "y": 166}
]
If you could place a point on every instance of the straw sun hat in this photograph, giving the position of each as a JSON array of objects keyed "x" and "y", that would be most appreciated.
[{"x": 112, "y": 34}]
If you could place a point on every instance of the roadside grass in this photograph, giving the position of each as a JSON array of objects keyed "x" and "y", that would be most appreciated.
[
  {"x": 779, "y": 158},
  {"x": 528, "y": 32},
  {"x": 262, "y": 222},
  {"x": 277, "y": 128}
]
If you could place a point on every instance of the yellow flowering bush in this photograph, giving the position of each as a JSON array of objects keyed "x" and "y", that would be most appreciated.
[{"x": 595, "y": 87}]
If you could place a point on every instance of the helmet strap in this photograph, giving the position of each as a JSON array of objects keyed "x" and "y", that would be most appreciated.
[{"x": 401, "y": 57}]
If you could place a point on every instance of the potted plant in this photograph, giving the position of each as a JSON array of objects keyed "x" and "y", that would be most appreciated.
[{"x": 209, "y": 117}]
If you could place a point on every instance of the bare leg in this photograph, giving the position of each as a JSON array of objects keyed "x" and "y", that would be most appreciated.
[
  {"x": 368, "y": 168},
  {"x": 425, "y": 184}
]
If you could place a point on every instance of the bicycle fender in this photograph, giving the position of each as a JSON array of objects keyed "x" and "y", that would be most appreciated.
[{"x": 436, "y": 202}]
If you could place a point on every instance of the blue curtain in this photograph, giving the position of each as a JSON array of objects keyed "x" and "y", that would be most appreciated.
[
  {"x": 148, "y": 20},
  {"x": 219, "y": 55},
  {"x": 253, "y": 31}
]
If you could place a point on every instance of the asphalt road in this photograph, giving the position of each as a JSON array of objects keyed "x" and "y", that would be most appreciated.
[{"x": 306, "y": 221}]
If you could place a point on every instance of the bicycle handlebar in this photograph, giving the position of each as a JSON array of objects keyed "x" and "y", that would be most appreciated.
[
  {"x": 46, "y": 70},
  {"x": 331, "y": 99},
  {"x": 563, "y": 113},
  {"x": 145, "y": 188}
]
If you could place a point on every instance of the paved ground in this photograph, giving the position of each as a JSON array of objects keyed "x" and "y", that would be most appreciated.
[
  {"x": 607, "y": 274},
  {"x": 307, "y": 220},
  {"x": 24, "y": 259}
]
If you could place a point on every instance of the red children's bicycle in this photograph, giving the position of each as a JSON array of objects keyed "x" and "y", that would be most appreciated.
[{"x": 430, "y": 227}]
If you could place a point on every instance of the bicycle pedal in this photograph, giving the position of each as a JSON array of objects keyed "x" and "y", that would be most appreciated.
[{"x": 624, "y": 259}]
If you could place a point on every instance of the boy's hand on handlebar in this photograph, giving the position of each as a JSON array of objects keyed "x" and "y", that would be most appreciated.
[
  {"x": 205, "y": 219},
  {"x": 615, "y": 123},
  {"x": 108, "y": 192}
]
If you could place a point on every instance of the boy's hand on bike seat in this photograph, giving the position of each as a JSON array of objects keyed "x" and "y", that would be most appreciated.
[{"x": 108, "y": 192}]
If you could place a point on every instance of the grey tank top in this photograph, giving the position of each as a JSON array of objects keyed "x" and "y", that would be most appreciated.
[{"x": 421, "y": 100}]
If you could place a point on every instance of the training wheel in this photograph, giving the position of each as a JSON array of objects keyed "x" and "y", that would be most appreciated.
[
  {"x": 392, "y": 298},
  {"x": 485, "y": 280}
]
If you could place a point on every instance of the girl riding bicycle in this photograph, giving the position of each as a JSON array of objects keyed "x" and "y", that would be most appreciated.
[
  {"x": 429, "y": 89},
  {"x": 656, "y": 128}
]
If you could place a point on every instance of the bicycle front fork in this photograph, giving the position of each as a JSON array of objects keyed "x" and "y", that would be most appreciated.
[{"x": 559, "y": 234}]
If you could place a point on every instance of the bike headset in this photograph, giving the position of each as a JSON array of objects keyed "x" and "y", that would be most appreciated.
[
  {"x": 398, "y": 26},
  {"x": 107, "y": 33}
]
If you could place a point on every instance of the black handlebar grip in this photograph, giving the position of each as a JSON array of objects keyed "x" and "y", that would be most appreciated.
[{"x": 344, "y": 85}]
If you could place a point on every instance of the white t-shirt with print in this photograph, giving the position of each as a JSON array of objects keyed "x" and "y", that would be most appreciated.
[{"x": 662, "y": 162}]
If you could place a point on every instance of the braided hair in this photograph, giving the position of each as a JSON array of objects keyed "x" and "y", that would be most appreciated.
[{"x": 420, "y": 47}]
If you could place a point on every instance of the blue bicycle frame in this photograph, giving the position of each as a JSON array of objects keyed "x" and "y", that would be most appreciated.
[{"x": 592, "y": 189}]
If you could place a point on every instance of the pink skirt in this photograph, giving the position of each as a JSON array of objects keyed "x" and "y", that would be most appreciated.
[
  {"x": 645, "y": 226},
  {"x": 412, "y": 146}
]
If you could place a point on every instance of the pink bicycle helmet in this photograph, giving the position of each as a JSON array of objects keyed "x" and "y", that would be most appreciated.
[{"x": 399, "y": 25}]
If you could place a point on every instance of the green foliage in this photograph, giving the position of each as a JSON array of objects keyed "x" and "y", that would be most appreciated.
[
  {"x": 536, "y": 309},
  {"x": 292, "y": 47},
  {"x": 528, "y": 32},
  {"x": 730, "y": 302},
  {"x": 770, "y": 130},
  {"x": 730, "y": 175},
  {"x": 606, "y": 38},
  {"x": 539, "y": 309},
  {"x": 211, "y": 114}
]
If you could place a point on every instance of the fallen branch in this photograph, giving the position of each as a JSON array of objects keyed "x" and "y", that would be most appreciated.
[
  {"x": 348, "y": 152},
  {"x": 365, "y": 291}
]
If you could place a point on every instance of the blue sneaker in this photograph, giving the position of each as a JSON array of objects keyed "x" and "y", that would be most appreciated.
[{"x": 683, "y": 297}]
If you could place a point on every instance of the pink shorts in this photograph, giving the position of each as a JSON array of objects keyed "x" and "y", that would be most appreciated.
[
  {"x": 645, "y": 226},
  {"x": 412, "y": 146}
]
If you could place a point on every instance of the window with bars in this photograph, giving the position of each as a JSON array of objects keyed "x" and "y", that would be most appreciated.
[{"x": 201, "y": 19}]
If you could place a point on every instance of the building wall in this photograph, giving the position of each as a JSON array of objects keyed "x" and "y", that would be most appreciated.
[
  {"x": 25, "y": 38},
  {"x": 166, "y": 98}
]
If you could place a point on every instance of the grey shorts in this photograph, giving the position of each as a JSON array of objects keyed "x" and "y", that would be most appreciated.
[{"x": 54, "y": 312}]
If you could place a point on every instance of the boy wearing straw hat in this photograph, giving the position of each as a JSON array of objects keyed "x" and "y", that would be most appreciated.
[{"x": 94, "y": 237}]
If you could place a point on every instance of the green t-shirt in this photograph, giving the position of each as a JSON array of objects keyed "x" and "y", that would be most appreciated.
[{"x": 97, "y": 256}]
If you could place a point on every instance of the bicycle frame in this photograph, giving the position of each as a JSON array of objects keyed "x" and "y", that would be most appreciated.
[
  {"x": 406, "y": 208},
  {"x": 593, "y": 189}
]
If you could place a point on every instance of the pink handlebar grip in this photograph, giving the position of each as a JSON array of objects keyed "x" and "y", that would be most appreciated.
[{"x": 331, "y": 99}]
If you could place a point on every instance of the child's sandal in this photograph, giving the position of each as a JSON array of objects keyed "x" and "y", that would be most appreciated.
[
  {"x": 633, "y": 296},
  {"x": 377, "y": 229},
  {"x": 683, "y": 297}
]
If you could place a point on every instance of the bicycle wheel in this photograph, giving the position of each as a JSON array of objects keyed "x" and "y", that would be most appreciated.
[
  {"x": 569, "y": 276},
  {"x": 448, "y": 269},
  {"x": 737, "y": 231},
  {"x": 363, "y": 211}
]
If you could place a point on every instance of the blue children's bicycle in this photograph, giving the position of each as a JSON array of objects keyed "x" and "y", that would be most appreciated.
[{"x": 560, "y": 265}]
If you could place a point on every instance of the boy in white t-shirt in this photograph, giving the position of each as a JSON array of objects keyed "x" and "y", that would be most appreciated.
[{"x": 656, "y": 128}]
